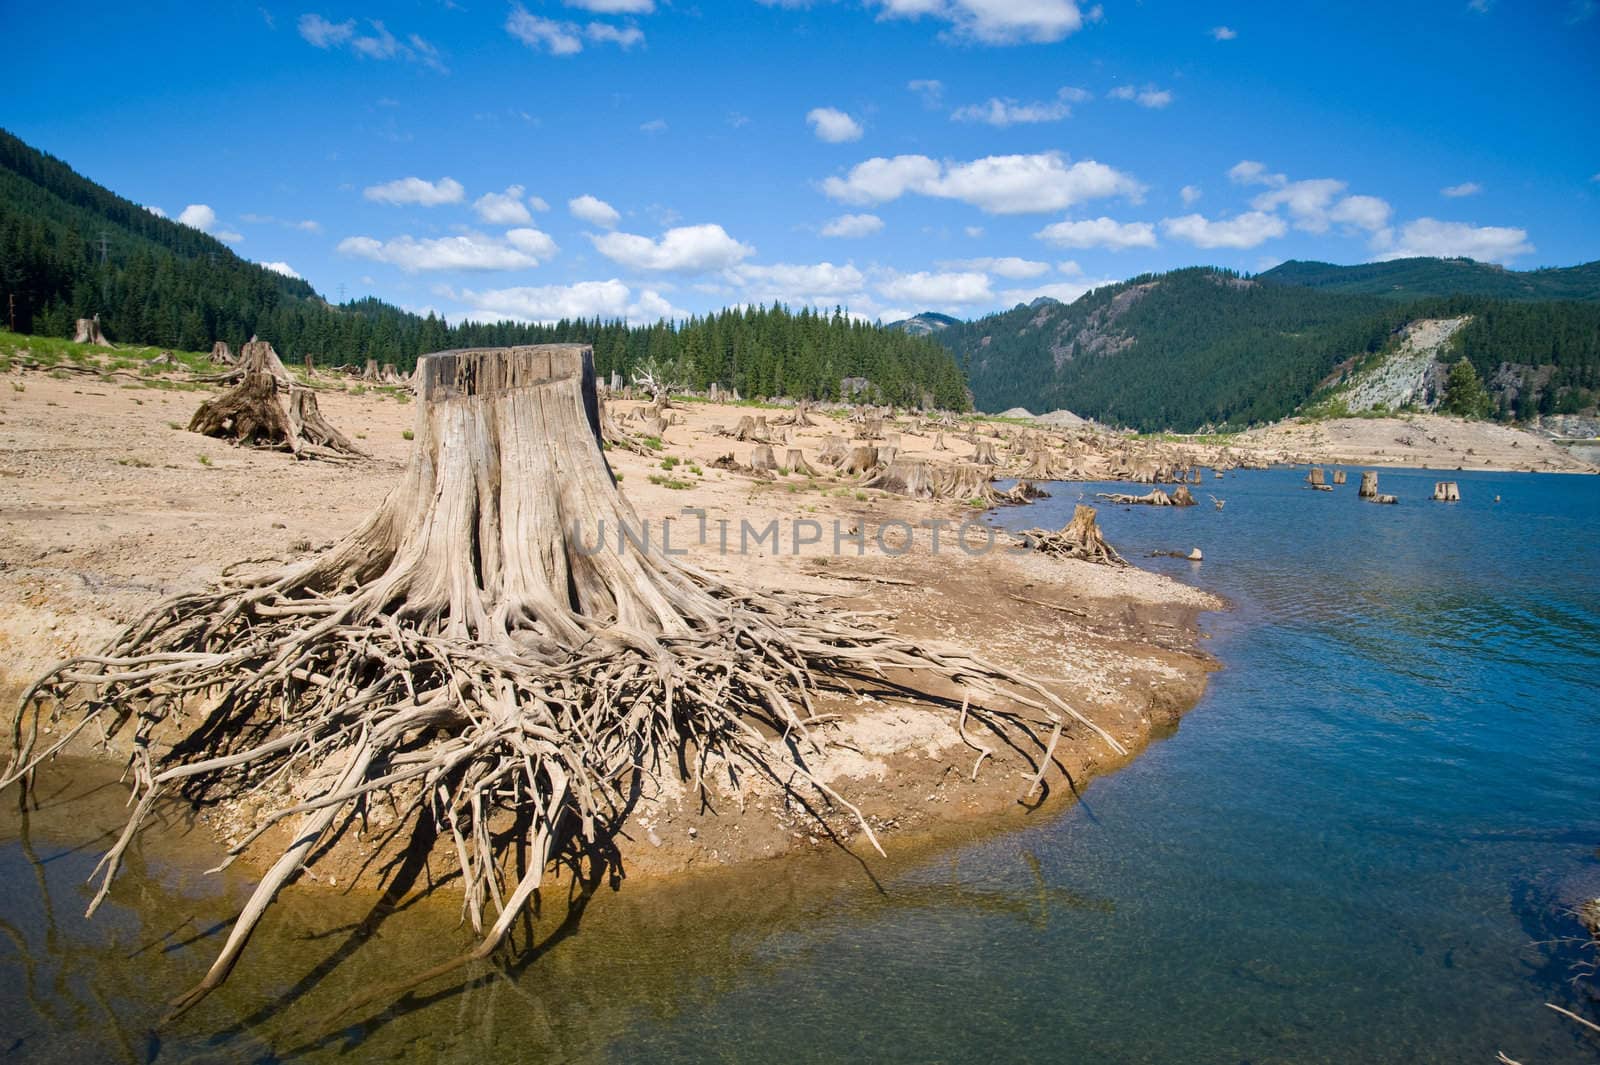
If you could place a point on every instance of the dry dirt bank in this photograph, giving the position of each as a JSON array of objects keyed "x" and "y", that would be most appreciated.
[
  {"x": 1426, "y": 441},
  {"x": 107, "y": 504}
]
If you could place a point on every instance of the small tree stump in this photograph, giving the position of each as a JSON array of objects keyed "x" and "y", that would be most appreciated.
[
  {"x": 795, "y": 460},
  {"x": 1369, "y": 485}
]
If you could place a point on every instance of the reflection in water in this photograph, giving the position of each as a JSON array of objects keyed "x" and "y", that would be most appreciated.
[{"x": 1359, "y": 847}]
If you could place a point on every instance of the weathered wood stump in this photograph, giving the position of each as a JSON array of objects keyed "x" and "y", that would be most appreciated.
[
  {"x": 983, "y": 453},
  {"x": 1447, "y": 492},
  {"x": 1081, "y": 538},
  {"x": 370, "y": 372},
  {"x": 1369, "y": 484},
  {"x": 87, "y": 331},
  {"x": 309, "y": 424},
  {"x": 863, "y": 458},
  {"x": 221, "y": 354},
  {"x": 903, "y": 476},
  {"x": 762, "y": 459},
  {"x": 1339, "y": 477},
  {"x": 489, "y": 657},
  {"x": 795, "y": 460}
]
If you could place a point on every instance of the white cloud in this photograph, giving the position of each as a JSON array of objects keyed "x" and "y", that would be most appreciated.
[
  {"x": 1099, "y": 232},
  {"x": 321, "y": 33},
  {"x": 996, "y": 184},
  {"x": 1070, "y": 267},
  {"x": 852, "y": 225},
  {"x": 1223, "y": 33},
  {"x": 200, "y": 216},
  {"x": 1250, "y": 172},
  {"x": 538, "y": 203},
  {"x": 684, "y": 249},
  {"x": 1010, "y": 266},
  {"x": 832, "y": 125},
  {"x": 1149, "y": 96},
  {"x": 879, "y": 180},
  {"x": 994, "y": 21},
  {"x": 1363, "y": 212},
  {"x": 655, "y": 125},
  {"x": 973, "y": 231},
  {"x": 1190, "y": 194},
  {"x": 1065, "y": 291},
  {"x": 158, "y": 212},
  {"x": 593, "y": 210},
  {"x": 557, "y": 38},
  {"x": 585, "y": 299},
  {"x": 942, "y": 289},
  {"x": 1242, "y": 231},
  {"x": 1429, "y": 236},
  {"x": 503, "y": 208},
  {"x": 532, "y": 241},
  {"x": 931, "y": 90},
  {"x": 414, "y": 190},
  {"x": 567, "y": 38},
  {"x": 797, "y": 283},
  {"x": 1008, "y": 112},
  {"x": 378, "y": 44},
  {"x": 1466, "y": 188},
  {"x": 520, "y": 249},
  {"x": 1308, "y": 201},
  {"x": 613, "y": 7},
  {"x": 283, "y": 268},
  {"x": 623, "y": 37}
]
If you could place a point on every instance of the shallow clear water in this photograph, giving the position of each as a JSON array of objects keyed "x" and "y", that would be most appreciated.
[{"x": 1358, "y": 847}]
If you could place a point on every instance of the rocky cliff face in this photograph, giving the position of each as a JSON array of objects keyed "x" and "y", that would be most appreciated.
[{"x": 1412, "y": 371}]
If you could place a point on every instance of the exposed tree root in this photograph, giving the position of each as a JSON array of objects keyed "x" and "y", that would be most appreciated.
[
  {"x": 489, "y": 647},
  {"x": 1080, "y": 538}
]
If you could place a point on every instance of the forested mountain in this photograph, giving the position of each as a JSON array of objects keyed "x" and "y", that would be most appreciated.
[
  {"x": 1411, "y": 278},
  {"x": 1200, "y": 347},
  {"x": 921, "y": 325},
  {"x": 161, "y": 283}
]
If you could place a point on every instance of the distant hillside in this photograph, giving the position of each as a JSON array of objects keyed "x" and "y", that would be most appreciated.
[
  {"x": 168, "y": 285},
  {"x": 1412, "y": 278},
  {"x": 1201, "y": 347},
  {"x": 924, "y": 324}
]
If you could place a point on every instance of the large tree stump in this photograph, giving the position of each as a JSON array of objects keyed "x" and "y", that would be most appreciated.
[
  {"x": 983, "y": 453},
  {"x": 1339, "y": 477},
  {"x": 863, "y": 458},
  {"x": 1369, "y": 485},
  {"x": 1081, "y": 538},
  {"x": 370, "y": 372},
  {"x": 87, "y": 331},
  {"x": 1447, "y": 492},
  {"x": 903, "y": 476},
  {"x": 490, "y": 654},
  {"x": 795, "y": 460},
  {"x": 762, "y": 459},
  {"x": 221, "y": 354},
  {"x": 248, "y": 413}
]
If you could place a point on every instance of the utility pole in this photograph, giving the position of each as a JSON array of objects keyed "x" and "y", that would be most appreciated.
[{"x": 341, "y": 293}]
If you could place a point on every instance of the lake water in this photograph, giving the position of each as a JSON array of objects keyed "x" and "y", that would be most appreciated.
[{"x": 1358, "y": 847}]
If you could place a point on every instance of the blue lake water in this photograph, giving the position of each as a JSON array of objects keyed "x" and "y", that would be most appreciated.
[{"x": 1358, "y": 847}]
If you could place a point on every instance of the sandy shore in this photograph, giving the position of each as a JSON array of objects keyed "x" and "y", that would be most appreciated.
[
  {"x": 107, "y": 504},
  {"x": 1424, "y": 441}
]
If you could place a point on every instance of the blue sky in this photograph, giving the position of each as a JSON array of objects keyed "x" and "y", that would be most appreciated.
[{"x": 656, "y": 157}]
